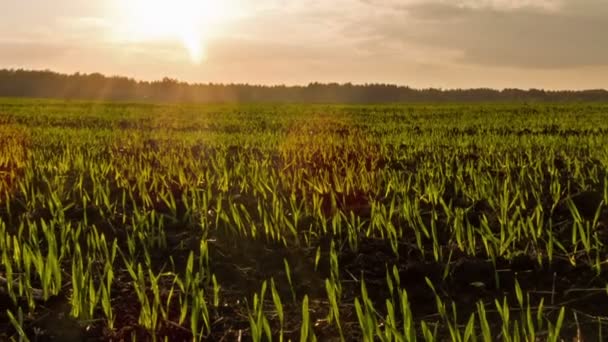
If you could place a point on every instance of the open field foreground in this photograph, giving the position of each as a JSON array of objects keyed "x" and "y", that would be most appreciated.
[{"x": 303, "y": 223}]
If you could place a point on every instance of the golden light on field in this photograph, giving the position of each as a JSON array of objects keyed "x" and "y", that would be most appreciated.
[{"x": 191, "y": 22}]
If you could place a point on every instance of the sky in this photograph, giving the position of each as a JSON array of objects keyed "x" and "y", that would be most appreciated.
[{"x": 552, "y": 44}]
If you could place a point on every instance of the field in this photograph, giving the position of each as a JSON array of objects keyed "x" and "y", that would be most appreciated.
[{"x": 303, "y": 222}]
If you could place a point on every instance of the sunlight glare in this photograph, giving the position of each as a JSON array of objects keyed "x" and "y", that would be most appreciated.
[{"x": 191, "y": 22}]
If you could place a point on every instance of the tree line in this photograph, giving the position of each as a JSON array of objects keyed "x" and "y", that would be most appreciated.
[{"x": 78, "y": 86}]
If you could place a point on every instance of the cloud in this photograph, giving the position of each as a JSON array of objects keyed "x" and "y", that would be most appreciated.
[
  {"x": 498, "y": 5},
  {"x": 502, "y": 33},
  {"x": 25, "y": 52},
  {"x": 507, "y": 5},
  {"x": 442, "y": 43}
]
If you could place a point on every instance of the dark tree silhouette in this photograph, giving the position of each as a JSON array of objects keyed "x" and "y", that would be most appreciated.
[{"x": 48, "y": 84}]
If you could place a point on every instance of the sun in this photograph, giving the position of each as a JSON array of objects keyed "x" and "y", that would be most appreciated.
[{"x": 190, "y": 22}]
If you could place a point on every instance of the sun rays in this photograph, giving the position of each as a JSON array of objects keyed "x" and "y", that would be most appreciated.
[{"x": 189, "y": 22}]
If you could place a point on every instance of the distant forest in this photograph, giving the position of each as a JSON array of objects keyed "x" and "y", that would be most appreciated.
[{"x": 48, "y": 84}]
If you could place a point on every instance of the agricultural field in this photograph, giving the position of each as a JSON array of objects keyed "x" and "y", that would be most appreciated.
[{"x": 303, "y": 222}]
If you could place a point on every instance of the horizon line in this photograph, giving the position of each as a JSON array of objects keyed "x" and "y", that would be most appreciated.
[{"x": 277, "y": 85}]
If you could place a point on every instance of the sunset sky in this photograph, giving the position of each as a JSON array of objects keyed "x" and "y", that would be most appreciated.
[{"x": 556, "y": 44}]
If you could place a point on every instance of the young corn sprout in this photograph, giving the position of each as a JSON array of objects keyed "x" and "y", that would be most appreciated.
[{"x": 202, "y": 202}]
